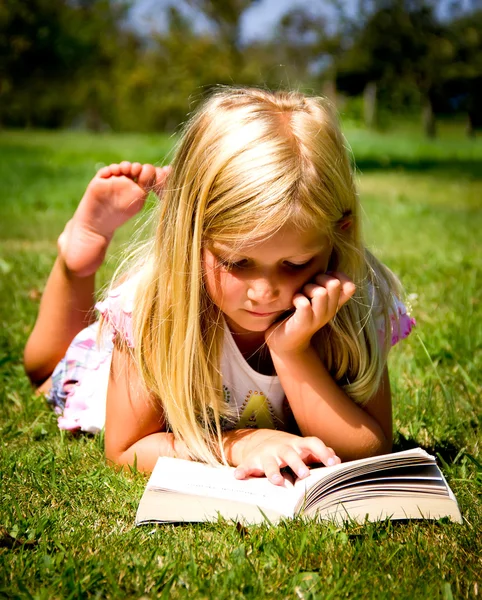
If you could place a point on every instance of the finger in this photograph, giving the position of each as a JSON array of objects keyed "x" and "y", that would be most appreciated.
[
  {"x": 245, "y": 471},
  {"x": 310, "y": 289},
  {"x": 303, "y": 312},
  {"x": 315, "y": 449},
  {"x": 272, "y": 470},
  {"x": 240, "y": 473},
  {"x": 331, "y": 458},
  {"x": 125, "y": 168},
  {"x": 333, "y": 287},
  {"x": 347, "y": 287},
  {"x": 321, "y": 310},
  {"x": 319, "y": 301},
  {"x": 292, "y": 459},
  {"x": 146, "y": 177}
]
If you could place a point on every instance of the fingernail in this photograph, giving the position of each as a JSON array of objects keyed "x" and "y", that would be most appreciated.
[
  {"x": 276, "y": 478},
  {"x": 303, "y": 472},
  {"x": 330, "y": 462}
]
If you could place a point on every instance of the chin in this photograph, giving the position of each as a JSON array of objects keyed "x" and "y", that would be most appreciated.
[
  {"x": 258, "y": 327},
  {"x": 249, "y": 325}
]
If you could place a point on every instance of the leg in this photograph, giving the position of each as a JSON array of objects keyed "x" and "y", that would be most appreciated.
[
  {"x": 114, "y": 195},
  {"x": 65, "y": 309}
]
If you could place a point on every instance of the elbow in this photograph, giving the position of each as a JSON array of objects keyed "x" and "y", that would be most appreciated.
[
  {"x": 127, "y": 458},
  {"x": 384, "y": 447},
  {"x": 113, "y": 458},
  {"x": 379, "y": 445},
  {"x": 122, "y": 460},
  {"x": 372, "y": 445},
  {"x": 117, "y": 456}
]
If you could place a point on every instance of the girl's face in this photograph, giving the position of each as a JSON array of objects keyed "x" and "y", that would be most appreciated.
[{"x": 253, "y": 285}]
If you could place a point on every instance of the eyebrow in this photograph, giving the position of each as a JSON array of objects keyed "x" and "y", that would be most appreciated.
[{"x": 215, "y": 247}]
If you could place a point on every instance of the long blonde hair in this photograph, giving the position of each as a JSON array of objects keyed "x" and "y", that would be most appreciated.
[{"x": 248, "y": 162}]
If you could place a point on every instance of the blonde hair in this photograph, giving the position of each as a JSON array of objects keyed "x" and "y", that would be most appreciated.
[{"x": 248, "y": 162}]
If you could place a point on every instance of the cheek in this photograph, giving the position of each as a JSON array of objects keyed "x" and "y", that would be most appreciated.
[
  {"x": 210, "y": 278},
  {"x": 222, "y": 287},
  {"x": 231, "y": 287},
  {"x": 297, "y": 281}
]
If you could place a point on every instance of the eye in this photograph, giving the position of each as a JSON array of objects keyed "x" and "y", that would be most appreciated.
[
  {"x": 229, "y": 265},
  {"x": 297, "y": 266}
]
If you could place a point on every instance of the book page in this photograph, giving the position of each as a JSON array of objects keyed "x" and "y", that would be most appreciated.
[
  {"x": 198, "y": 479},
  {"x": 349, "y": 470}
]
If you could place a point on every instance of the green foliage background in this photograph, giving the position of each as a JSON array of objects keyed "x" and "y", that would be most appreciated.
[{"x": 82, "y": 64}]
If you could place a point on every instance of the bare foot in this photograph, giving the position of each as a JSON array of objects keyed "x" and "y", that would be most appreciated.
[{"x": 114, "y": 195}]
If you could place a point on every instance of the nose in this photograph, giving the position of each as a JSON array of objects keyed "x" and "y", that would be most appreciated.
[{"x": 263, "y": 290}]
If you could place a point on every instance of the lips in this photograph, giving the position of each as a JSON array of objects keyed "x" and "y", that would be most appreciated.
[{"x": 264, "y": 314}]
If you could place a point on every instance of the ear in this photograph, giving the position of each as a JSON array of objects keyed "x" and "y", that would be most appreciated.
[{"x": 345, "y": 223}]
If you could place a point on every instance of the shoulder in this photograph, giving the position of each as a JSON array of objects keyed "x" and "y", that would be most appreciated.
[{"x": 116, "y": 310}]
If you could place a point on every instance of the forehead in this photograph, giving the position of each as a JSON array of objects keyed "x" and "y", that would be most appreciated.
[{"x": 288, "y": 240}]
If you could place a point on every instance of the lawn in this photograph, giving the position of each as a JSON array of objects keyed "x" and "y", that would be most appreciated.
[{"x": 67, "y": 518}]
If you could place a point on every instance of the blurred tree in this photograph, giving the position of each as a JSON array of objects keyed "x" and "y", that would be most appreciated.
[
  {"x": 226, "y": 16},
  {"x": 314, "y": 43},
  {"x": 297, "y": 45},
  {"x": 463, "y": 80},
  {"x": 100, "y": 26},
  {"x": 401, "y": 46},
  {"x": 65, "y": 62},
  {"x": 174, "y": 71},
  {"x": 56, "y": 56},
  {"x": 35, "y": 48}
]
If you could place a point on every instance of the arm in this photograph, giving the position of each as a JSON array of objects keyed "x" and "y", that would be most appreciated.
[
  {"x": 323, "y": 410},
  {"x": 135, "y": 427},
  {"x": 135, "y": 431},
  {"x": 320, "y": 407},
  {"x": 67, "y": 302}
]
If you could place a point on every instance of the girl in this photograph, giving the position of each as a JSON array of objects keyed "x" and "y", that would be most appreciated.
[{"x": 253, "y": 328}]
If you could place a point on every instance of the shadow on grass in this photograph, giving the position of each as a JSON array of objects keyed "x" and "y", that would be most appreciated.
[
  {"x": 443, "y": 167},
  {"x": 446, "y": 449}
]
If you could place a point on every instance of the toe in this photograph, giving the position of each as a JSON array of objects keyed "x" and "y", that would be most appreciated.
[
  {"x": 147, "y": 176},
  {"x": 136, "y": 169},
  {"x": 125, "y": 168},
  {"x": 105, "y": 172}
]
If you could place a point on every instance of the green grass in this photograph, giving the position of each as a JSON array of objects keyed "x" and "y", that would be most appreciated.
[{"x": 67, "y": 519}]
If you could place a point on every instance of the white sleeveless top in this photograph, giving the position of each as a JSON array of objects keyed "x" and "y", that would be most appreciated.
[{"x": 257, "y": 400}]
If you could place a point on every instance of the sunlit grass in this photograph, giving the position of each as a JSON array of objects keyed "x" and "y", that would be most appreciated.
[{"x": 67, "y": 518}]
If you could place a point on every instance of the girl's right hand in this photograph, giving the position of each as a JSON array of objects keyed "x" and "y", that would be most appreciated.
[{"x": 267, "y": 451}]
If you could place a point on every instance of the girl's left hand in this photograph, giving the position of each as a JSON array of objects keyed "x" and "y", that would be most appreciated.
[{"x": 315, "y": 306}]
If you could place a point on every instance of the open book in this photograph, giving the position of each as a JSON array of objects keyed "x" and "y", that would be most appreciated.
[{"x": 403, "y": 485}]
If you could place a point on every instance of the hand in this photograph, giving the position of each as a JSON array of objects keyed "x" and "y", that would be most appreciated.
[
  {"x": 267, "y": 451},
  {"x": 315, "y": 306}
]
